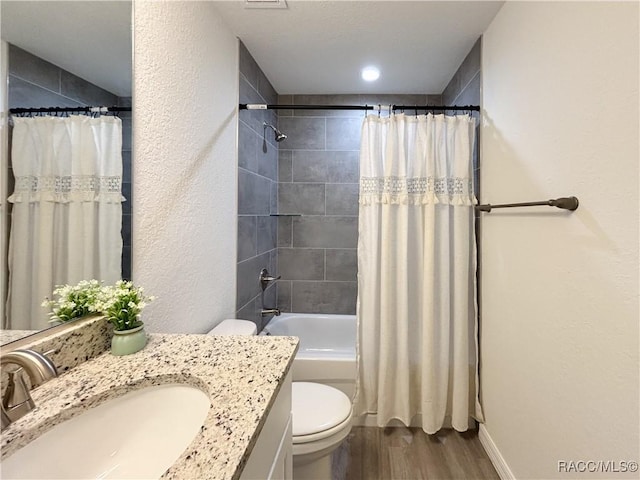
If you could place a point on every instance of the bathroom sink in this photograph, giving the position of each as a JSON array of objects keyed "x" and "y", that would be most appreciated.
[{"x": 138, "y": 435}]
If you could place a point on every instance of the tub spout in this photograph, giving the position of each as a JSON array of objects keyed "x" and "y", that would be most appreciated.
[{"x": 270, "y": 311}]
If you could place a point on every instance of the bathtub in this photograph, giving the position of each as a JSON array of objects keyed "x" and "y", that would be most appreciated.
[{"x": 327, "y": 351}]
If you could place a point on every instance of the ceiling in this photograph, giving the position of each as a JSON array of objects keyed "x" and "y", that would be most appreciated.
[
  {"x": 311, "y": 47},
  {"x": 91, "y": 39},
  {"x": 319, "y": 47}
]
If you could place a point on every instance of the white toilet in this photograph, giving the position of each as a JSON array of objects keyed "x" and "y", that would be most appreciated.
[
  {"x": 321, "y": 421},
  {"x": 321, "y": 417}
]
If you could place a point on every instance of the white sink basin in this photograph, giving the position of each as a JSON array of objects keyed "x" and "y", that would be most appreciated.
[{"x": 138, "y": 435}]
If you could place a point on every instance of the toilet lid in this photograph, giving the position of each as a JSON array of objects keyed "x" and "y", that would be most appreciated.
[{"x": 317, "y": 407}]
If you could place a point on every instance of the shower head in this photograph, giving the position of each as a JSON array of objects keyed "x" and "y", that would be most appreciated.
[{"x": 279, "y": 136}]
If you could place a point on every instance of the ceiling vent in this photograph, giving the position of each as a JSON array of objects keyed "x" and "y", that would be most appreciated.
[{"x": 265, "y": 4}]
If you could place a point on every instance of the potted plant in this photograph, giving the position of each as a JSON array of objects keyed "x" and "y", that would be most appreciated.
[
  {"x": 121, "y": 304},
  {"x": 71, "y": 302}
]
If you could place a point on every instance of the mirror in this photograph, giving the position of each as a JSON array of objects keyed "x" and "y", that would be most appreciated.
[{"x": 65, "y": 54}]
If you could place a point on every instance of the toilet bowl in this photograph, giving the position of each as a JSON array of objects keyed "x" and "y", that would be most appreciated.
[
  {"x": 321, "y": 416},
  {"x": 321, "y": 421}
]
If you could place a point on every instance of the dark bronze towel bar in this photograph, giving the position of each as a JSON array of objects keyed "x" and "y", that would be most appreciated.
[{"x": 566, "y": 203}]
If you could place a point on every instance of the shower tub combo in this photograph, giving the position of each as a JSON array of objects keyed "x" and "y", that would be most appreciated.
[{"x": 327, "y": 351}]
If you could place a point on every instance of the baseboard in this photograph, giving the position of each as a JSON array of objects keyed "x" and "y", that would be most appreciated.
[{"x": 494, "y": 454}]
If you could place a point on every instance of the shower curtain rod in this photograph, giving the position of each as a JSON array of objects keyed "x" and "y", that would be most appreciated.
[
  {"x": 262, "y": 106},
  {"x": 69, "y": 109},
  {"x": 566, "y": 203}
]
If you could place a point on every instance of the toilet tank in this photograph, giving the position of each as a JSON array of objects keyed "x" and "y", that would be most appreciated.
[{"x": 234, "y": 326}]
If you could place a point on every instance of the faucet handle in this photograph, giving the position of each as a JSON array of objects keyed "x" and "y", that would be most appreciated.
[
  {"x": 17, "y": 399},
  {"x": 265, "y": 278}
]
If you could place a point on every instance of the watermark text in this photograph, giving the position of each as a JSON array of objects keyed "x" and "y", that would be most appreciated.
[{"x": 597, "y": 466}]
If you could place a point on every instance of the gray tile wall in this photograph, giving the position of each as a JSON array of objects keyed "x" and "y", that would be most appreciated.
[
  {"x": 126, "y": 187},
  {"x": 34, "y": 82},
  {"x": 464, "y": 89},
  {"x": 257, "y": 193},
  {"x": 318, "y": 179}
]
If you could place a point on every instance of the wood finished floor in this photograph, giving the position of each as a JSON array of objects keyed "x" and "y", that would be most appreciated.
[{"x": 410, "y": 454}]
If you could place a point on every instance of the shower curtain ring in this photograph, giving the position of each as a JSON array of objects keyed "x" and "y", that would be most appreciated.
[{"x": 379, "y": 108}]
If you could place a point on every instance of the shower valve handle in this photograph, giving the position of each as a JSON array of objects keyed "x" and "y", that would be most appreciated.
[{"x": 265, "y": 278}]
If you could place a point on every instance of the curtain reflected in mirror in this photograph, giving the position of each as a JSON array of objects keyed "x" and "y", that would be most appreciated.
[
  {"x": 66, "y": 214},
  {"x": 68, "y": 175}
]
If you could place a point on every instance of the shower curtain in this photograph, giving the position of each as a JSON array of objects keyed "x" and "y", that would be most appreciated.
[
  {"x": 67, "y": 211},
  {"x": 417, "y": 342}
]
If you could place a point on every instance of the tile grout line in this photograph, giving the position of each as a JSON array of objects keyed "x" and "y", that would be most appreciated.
[
  {"x": 256, "y": 174},
  {"x": 291, "y": 233},
  {"x": 462, "y": 89},
  {"x": 324, "y": 276},
  {"x": 59, "y": 93}
]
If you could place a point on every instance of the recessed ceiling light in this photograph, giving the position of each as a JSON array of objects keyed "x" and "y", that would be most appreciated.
[
  {"x": 370, "y": 74},
  {"x": 265, "y": 3}
]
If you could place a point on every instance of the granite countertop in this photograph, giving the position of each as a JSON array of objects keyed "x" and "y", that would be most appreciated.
[
  {"x": 7, "y": 336},
  {"x": 241, "y": 375}
]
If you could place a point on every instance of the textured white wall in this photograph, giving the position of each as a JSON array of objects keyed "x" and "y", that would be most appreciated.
[
  {"x": 560, "y": 290},
  {"x": 184, "y": 168}
]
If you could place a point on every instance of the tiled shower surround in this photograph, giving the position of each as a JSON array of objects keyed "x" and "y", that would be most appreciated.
[
  {"x": 257, "y": 190},
  {"x": 312, "y": 242}
]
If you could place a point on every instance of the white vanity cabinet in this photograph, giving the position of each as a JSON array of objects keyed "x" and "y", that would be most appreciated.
[{"x": 271, "y": 457}]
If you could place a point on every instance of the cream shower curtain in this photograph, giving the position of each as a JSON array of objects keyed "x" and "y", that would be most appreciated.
[
  {"x": 67, "y": 209},
  {"x": 417, "y": 347}
]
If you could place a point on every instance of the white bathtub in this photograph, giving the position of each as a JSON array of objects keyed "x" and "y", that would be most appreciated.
[{"x": 327, "y": 352}]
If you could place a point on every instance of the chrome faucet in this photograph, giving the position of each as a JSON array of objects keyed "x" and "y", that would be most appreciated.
[
  {"x": 270, "y": 311},
  {"x": 17, "y": 400}
]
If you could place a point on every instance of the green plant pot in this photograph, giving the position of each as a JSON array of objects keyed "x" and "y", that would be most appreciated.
[{"x": 126, "y": 342}]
